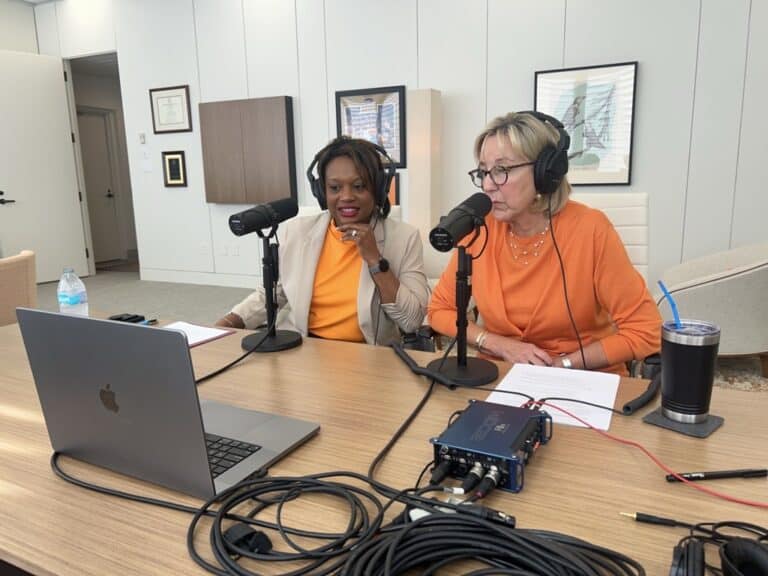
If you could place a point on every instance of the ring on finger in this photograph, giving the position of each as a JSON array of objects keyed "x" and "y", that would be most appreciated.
[{"x": 354, "y": 233}]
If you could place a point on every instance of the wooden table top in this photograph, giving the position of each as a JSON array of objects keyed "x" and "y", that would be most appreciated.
[{"x": 577, "y": 484}]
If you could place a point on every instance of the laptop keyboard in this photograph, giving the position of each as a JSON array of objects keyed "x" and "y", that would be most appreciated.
[{"x": 223, "y": 453}]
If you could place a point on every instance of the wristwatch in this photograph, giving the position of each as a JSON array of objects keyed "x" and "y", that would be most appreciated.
[{"x": 381, "y": 266}]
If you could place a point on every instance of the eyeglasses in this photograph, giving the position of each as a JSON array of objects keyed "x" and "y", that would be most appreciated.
[{"x": 498, "y": 174}]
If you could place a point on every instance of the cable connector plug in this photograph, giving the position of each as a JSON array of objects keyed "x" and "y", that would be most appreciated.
[
  {"x": 487, "y": 514},
  {"x": 649, "y": 519},
  {"x": 473, "y": 477},
  {"x": 440, "y": 471},
  {"x": 241, "y": 535},
  {"x": 488, "y": 483}
]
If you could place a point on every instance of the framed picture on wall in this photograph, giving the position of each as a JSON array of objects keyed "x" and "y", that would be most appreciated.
[
  {"x": 376, "y": 115},
  {"x": 174, "y": 169},
  {"x": 596, "y": 104},
  {"x": 171, "y": 111}
]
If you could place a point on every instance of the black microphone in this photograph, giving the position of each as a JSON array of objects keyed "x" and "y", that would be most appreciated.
[
  {"x": 263, "y": 216},
  {"x": 460, "y": 221}
]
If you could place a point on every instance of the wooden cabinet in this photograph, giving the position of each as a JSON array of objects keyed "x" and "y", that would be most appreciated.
[{"x": 248, "y": 150}]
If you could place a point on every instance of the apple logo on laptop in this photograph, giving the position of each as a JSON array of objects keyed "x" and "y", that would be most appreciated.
[{"x": 107, "y": 397}]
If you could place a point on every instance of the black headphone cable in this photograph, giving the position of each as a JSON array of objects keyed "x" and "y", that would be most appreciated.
[
  {"x": 239, "y": 358},
  {"x": 565, "y": 285}
]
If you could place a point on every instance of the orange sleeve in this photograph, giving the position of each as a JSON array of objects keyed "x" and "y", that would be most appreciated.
[
  {"x": 621, "y": 290},
  {"x": 442, "y": 306}
]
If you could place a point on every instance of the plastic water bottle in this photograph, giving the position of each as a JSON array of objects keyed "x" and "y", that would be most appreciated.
[{"x": 71, "y": 293}]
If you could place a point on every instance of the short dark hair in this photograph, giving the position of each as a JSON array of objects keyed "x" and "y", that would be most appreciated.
[{"x": 367, "y": 161}]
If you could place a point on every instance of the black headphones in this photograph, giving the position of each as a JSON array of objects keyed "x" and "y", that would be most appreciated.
[
  {"x": 738, "y": 557},
  {"x": 552, "y": 163},
  {"x": 382, "y": 177}
]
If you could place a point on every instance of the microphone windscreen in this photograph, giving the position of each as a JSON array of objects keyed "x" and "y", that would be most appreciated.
[
  {"x": 285, "y": 208},
  {"x": 479, "y": 203},
  {"x": 263, "y": 216},
  {"x": 460, "y": 221}
]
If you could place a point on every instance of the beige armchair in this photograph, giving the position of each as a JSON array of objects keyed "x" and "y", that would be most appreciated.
[
  {"x": 17, "y": 285},
  {"x": 730, "y": 289}
]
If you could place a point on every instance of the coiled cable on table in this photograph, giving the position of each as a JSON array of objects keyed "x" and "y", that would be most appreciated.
[{"x": 434, "y": 542}]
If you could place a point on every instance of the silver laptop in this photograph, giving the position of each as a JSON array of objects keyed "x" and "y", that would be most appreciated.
[{"x": 123, "y": 396}]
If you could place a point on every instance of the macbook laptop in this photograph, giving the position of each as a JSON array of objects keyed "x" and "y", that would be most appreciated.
[{"x": 123, "y": 396}]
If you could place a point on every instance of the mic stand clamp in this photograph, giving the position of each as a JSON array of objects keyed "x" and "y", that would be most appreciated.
[
  {"x": 270, "y": 339},
  {"x": 464, "y": 371}
]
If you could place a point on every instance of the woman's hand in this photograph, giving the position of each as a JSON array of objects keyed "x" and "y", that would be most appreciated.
[
  {"x": 513, "y": 350},
  {"x": 231, "y": 320},
  {"x": 363, "y": 237}
]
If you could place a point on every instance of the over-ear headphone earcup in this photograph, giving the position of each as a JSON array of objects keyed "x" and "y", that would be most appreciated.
[
  {"x": 688, "y": 559},
  {"x": 382, "y": 193},
  {"x": 542, "y": 177},
  {"x": 317, "y": 192},
  {"x": 315, "y": 185},
  {"x": 743, "y": 557}
]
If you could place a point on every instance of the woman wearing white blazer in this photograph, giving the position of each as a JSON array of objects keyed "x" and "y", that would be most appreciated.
[{"x": 348, "y": 273}]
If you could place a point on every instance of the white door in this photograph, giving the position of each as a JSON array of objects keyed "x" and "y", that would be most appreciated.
[
  {"x": 37, "y": 166},
  {"x": 99, "y": 187}
]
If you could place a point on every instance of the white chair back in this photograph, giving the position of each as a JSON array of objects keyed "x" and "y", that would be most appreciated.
[{"x": 628, "y": 212}]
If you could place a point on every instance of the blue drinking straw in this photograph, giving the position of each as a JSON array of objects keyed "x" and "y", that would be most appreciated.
[{"x": 672, "y": 304}]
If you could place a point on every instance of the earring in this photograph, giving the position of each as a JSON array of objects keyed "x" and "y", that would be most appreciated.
[{"x": 538, "y": 196}]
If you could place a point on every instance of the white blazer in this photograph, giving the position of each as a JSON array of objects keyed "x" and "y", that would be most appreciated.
[{"x": 301, "y": 241}]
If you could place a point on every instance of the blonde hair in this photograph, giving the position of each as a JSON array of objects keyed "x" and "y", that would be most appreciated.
[{"x": 528, "y": 136}]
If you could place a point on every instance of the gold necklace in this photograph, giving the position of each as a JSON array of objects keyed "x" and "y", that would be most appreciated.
[{"x": 525, "y": 252}]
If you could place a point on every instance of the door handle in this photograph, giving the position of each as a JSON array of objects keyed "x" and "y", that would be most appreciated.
[{"x": 4, "y": 201}]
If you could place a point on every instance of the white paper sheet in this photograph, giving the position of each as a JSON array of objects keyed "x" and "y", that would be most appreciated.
[
  {"x": 198, "y": 334},
  {"x": 545, "y": 382}
]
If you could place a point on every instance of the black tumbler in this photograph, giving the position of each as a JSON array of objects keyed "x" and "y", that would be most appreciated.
[{"x": 688, "y": 356}]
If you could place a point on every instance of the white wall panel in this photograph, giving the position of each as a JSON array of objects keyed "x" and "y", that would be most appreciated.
[
  {"x": 47, "y": 29},
  {"x": 234, "y": 254},
  {"x": 156, "y": 48},
  {"x": 85, "y": 27},
  {"x": 221, "y": 49},
  {"x": 311, "y": 108},
  {"x": 220, "y": 29},
  {"x": 662, "y": 36},
  {"x": 270, "y": 42},
  {"x": 716, "y": 121},
  {"x": 452, "y": 59},
  {"x": 369, "y": 44},
  {"x": 751, "y": 205},
  {"x": 516, "y": 51},
  {"x": 17, "y": 27}
]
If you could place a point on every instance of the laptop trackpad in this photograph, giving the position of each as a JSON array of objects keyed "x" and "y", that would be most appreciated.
[{"x": 270, "y": 431}]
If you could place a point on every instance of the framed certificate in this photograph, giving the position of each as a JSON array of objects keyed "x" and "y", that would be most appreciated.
[
  {"x": 174, "y": 169},
  {"x": 171, "y": 111}
]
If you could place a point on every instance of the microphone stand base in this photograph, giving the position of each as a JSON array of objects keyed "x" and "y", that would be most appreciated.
[
  {"x": 282, "y": 340},
  {"x": 477, "y": 372}
]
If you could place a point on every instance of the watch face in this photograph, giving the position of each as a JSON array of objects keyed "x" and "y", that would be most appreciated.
[{"x": 383, "y": 265}]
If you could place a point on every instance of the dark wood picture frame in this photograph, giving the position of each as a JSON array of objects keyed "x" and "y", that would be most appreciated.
[
  {"x": 171, "y": 109},
  {"x": 376, "y": 115},
  {"x": 596, "y": 104},
  {"x": 174, "y": 169}
]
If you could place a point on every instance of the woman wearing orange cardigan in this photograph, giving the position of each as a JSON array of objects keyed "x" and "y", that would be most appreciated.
[{"x": 519, "y": 282}]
